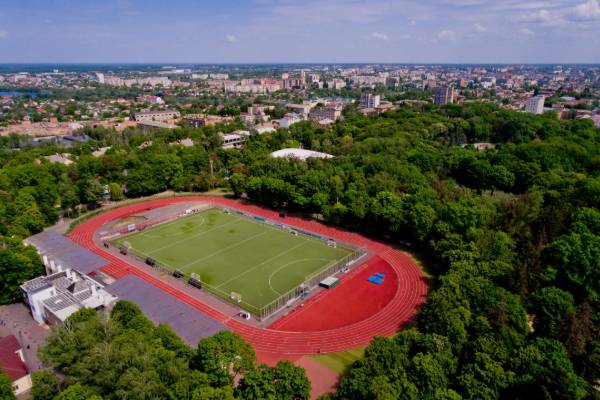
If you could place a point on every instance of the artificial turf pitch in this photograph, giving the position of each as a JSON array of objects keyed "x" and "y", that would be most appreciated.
[{"x": 234, "y": 253}]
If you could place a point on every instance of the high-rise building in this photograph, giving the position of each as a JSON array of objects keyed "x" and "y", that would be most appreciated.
[
  {"x": 369, "y": 100},
  {"x": 444, "y": 95},
  {"x": 535, "y": 104}
]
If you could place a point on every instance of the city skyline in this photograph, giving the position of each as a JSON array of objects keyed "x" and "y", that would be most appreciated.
[{"x": 276, "y": 31}]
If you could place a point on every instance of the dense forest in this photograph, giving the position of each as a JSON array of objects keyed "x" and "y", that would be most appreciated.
[{"x": 511, "y": 234}]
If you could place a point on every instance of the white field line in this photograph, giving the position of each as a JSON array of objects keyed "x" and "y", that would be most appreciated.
[
  {"x": 221, "y": 250},
  {"x": 262, "y": 263},
  {"x": 192, "y": 237},
  {"x": 288, "y": 264},
  {"x": 148, "y": 233}
]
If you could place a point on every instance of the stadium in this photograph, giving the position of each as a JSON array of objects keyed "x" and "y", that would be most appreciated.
[{"x": 290, "y": 286}]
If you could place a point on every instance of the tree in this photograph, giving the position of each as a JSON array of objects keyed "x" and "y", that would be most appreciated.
[
  {"x": 573, "y": 263},
  {"x": 45, "y": 385},
  {"x": 27, "y": 215},
  {"x": 91, "y": 192},
  {"x": 552, "y": 308},
  {"x": 224, "y": 356},
  {"x": 258, "y": 384},
  {"x": 77, "y": 392},
  {"x": 290, "y": 381},
  {"x": 6, "y": 392},
  {"x": 542, "y": 371},
  {"x": 236, "y": 181},
  {"x": 18, "y": 264},
  {"x": 125, "y": 311},
  {"x": 116, "y": 194}
]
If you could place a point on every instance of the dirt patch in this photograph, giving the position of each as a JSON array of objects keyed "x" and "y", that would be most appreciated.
[{"x": 123, "y": 222}]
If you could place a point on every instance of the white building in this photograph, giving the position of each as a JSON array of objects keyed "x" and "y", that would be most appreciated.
[
  {"x": 369, "y": 100},
  {"x": 235, "y": 139},
  {"x": 535, "y": 104},
  {"x": 299, "y": 154},
  {"x": 55, "y": 297},
  {"x": 290, "y": 119},
  {"x": 67, "y": 286},
  {"x": 160, "y": 116}
]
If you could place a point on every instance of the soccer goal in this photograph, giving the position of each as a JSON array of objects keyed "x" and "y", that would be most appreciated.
[
  {"x": 195, "y": 280},
  {"x": 236, "y": 297}
]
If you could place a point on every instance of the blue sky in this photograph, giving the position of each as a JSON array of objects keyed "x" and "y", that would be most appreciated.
[{"x": 453, "y": 31}]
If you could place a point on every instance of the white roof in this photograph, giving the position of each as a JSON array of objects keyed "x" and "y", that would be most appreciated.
[{"x": 300, "y": 154}]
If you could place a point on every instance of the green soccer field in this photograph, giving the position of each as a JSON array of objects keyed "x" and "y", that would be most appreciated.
[{"x": 233, "y": 253}]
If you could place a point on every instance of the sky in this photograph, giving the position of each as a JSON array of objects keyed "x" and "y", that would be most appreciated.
[{"x": 305, "y": 31}]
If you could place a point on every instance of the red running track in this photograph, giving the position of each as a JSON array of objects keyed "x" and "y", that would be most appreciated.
[
  {"x": 410, "y": 292},
  {"x": 352, "y": 300}
]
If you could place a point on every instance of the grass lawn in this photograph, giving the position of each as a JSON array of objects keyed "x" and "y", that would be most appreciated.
[
  {"x": 233, "y": 253},
  {"x": 341, "y": 361}
]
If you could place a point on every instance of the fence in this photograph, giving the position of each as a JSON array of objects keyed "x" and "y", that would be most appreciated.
[{"x": 309, "y": 283}]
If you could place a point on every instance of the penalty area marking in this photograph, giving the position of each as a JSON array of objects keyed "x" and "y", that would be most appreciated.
[
  {"x": 149, "y": 235},
  {"x": 192, "y": 237},
  {"x": 287, "y": 265},
  {"x": 261, "y": 263}
]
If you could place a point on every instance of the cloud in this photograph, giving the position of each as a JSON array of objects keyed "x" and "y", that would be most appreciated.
[
  {"x": 412, "y": 22},
  {"x": 587, "y": 11},
  {"x": 542, "y": 16},
  {"x": 3, "y": 34},
  {"x": 446, "y": 34},
  {"x": 231, "y": 38},
  {"x": 526, "y": 31},
  {"x": 480, "y": 28},
  {"x": 379, "y": 36}
]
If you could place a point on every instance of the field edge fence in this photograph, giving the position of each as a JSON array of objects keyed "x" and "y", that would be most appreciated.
[{"x": 309, "y": 283}]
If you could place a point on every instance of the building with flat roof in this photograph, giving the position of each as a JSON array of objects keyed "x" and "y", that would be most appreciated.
[
  {"x": 147, "y": 126},
  {"x": 289, "y": 119},
  {"x": 369, "y": 100},
  {"x": 330, "y": 112},
  {"x": 160, "y": 116},
  {"x": 55, "y": 297},
  {"x": 535, "y": 104},
  {"x": 234, "y": 140},
  {"x": 195, "y": 121},
  {"x": 443, "y": 95}
]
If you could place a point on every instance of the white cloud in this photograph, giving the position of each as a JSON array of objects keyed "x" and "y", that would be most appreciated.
[
  {"x": 446, "y": 34},
  {"x": 412, "y": 22},
  {"x": 526, "y": 31},
  {"x": 480, "y": 28},
  {"x": 379, "y": 36},
  {"x": 3, "y": 34},
  {"x": 231, "y": 38},
  {"x": 589, "y": 10},
  {"x": 542, "y": 16}
]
